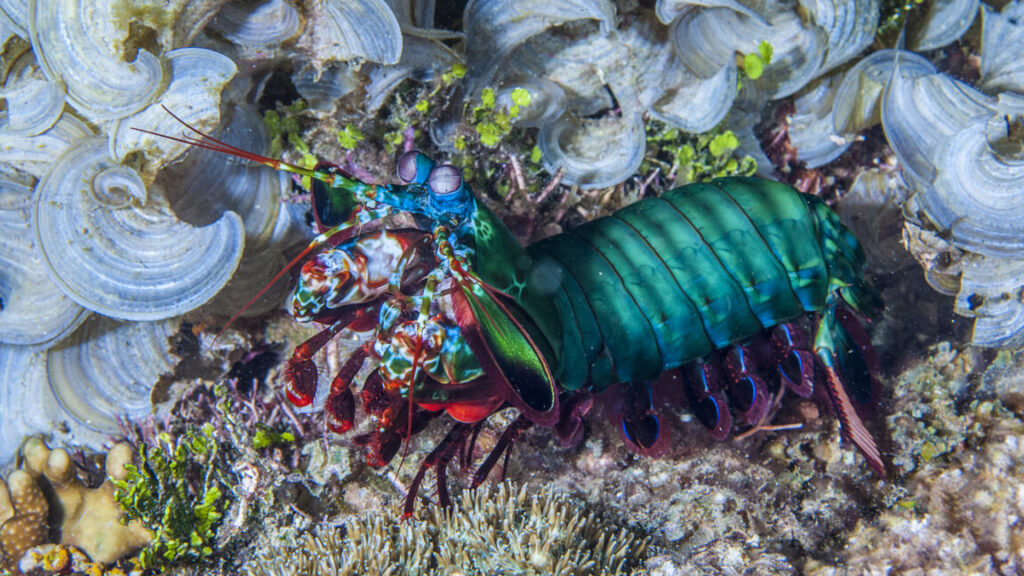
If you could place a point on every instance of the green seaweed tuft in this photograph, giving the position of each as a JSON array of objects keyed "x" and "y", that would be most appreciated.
[
  {"x": 694, "y": 158},
  {"x": 491, "y": 123},
  {"x": 177, "y": 492}
]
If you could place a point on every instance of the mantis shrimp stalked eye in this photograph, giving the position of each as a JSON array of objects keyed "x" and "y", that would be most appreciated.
[{"x": 414, "y": 167}]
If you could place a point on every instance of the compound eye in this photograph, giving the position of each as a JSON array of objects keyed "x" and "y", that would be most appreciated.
[
  {"x": 414, "y": 166},
  {"x": 445, "y": 180},
  {"x": 327, "y": 167}
]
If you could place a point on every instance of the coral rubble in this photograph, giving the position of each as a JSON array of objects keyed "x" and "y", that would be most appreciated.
[{"x": 961, "y": 509}]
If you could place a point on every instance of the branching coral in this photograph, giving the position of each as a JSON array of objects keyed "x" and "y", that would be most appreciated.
[{"x": 502, "y": 531}]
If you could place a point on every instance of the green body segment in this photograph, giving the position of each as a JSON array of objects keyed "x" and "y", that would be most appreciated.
[
  {"x": 668, "y": 280},
  {"x": 505, "y": 265}
]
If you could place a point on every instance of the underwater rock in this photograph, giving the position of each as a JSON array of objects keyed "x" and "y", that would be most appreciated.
[
  {"x": 961, "y": 511},
  {"x": 724, "y": 556},
  {"x": 1004, "y": 379}
]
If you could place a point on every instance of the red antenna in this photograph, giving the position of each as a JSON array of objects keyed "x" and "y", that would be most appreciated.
[{"x": 202, "y": 140}]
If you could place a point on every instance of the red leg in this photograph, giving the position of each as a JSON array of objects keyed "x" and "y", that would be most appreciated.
[
  {"x": 301, "y": 373},
  {"x": 569, "y": 429},
  {"x": 791, "y": 347},
  {"x": 747, "y": 390},
  {"x": 640, "y": 425},
  {"x": 375, "y": 398},
  {"x": 340, "y": 407},
  {"x": 504, "y": 445},
  {"x": 391, "y": 414},
  {"x": 438, "y": 459},
  {"x": 704, "y": 393}
]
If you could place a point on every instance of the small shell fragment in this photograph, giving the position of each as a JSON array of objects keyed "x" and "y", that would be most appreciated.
[
  {"x": 594, "y": 152},
  {"x": 858, "y": 100},
  {"x": 341, "y": 30},
  {"x": 920, "y": 112},
  {"x": 258, "y": 29},
  {"x": 977, "y": 195},
  {"x": 811, "y": 125},
  {"x": 22, "y": 386},
  {"x": 1002, "y": 49},
  {"x": 494, "y": 28},
  {"x": 34, "y": 103},
  {"x": 944, "y": 22}
]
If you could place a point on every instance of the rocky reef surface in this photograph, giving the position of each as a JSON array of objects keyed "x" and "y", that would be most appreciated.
[{"x": 139, "y": 432}]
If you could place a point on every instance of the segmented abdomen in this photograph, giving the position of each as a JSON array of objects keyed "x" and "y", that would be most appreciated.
[{"x": 667, "y": 280}]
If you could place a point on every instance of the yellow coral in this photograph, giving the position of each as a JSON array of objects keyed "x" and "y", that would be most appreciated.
[
  {"x": 91, "y": 516},
  {"x": 54, "y": 559},
  {"x": 23, "y": 511}
]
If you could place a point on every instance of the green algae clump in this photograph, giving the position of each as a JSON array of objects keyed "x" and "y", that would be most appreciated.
[
  {"x": 177, "y": 492},
  {"x": 686, "y": 158}
]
